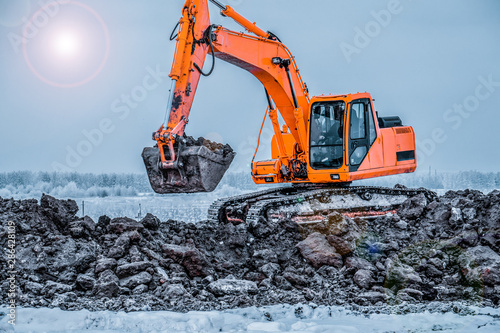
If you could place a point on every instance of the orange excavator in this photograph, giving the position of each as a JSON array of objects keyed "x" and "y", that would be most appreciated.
[{"x": 325, "y": 143}]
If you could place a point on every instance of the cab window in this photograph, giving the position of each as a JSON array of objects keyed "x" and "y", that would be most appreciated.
[{"x": 327, "y": 134}]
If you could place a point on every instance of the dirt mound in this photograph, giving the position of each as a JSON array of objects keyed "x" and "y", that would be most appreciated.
[{"x": 444, "y": 250}]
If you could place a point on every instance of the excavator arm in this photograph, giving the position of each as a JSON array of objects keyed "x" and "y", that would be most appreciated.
[
  {"x": 190, "y": 55},
  {"x": 261, "y": 54}
]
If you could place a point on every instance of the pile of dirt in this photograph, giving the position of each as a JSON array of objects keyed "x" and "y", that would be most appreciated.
[
  {"x": 216, "y": 147},
  {"x": 445, "y": 250}
]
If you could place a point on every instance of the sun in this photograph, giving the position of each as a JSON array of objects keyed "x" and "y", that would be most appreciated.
[{"x": 66, "y": 44}]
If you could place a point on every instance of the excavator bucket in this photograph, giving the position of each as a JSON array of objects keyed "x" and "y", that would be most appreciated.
[{"x": 202, "y": 164}]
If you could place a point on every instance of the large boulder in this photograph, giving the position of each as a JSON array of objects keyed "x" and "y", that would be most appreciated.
[
  {"x": 60, "y": 211},
  {"x": 316, "y": 249},
  {"x": 190, "y": 257}
]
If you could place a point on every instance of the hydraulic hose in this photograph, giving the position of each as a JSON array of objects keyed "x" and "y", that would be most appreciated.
[
  {"x": 218, "y": 4},
  {"x": 172, "y": 37},
  {"x": 208, "y": 36}
]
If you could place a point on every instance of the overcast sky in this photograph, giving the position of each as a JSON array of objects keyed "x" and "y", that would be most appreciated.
[{"x": 89, "y": 86}]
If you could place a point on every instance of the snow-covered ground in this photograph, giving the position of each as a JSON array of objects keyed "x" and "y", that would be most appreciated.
[
  {"x": 280, "y": 318},
  {"x": 184, "y": 207}
]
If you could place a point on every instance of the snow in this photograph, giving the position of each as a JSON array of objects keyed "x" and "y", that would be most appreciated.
[
  {"x": 184, "y": 207},
  {"x": 279, "y": 318}
]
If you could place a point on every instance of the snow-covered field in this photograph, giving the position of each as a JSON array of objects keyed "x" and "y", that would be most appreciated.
[
  {"x": 183, "y": 207},
  {"x": 280, "y": 318}
]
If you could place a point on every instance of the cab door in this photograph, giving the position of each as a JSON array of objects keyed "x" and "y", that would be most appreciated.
[{"x": 359, "y": 132}]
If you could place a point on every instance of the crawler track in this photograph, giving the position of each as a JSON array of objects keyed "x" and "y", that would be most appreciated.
[{"x": 307, "y": 201}]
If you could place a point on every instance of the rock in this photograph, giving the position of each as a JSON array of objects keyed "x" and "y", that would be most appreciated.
[
  {"x": 316, "y": 249},
  {"x": 456, "y": 215},
  {"x": 106, "y": 285},
  {"x": 270, "y": 269},
  {"x": 402, "y": 225},
  {"x": 207, "y": 280},
  {"x": 34, "y": 287},
  {"x": 380, "y": 266},
  {"x": 122, "y": 224},
  {"x": 295, "y": 279},
  {"x": 432, "y": 271},
  {"x": 262, "y": 257},
  {"x": 484, "y": 256},
  {"x": 190, "y": 257},
  {"x": 491, "y": 275},
  {"x": 404, "y": 297},
  {"x": 341, "y": 246},
  {"x": 400, "y": 275},
  {"x": 116, "y": 252},
  {"x": 140, "y": 289},
  {"x": 364, "y": 279},
  {"x": 232, "y": 287},
  {"x": 413, "y": 207},
  {"x": 150, "y": 222},
  {"x": 82, "y": 228},
  {"x": 105, "y": 264},
  {"x": 373, "y": 296},
  {"x": 85, "y": 257},
  {"x": 60, "y": 211},
  {"x": 85, "y": 282},
  {"x": 133, "y": 268},
  {"x": 359, "y": 263},
  {"x": 135, "y": 280},
  {"x": 416, "y": 294},
  {"x": 469, "y": 213},
  {"x": 328, "y": 272},
  {"x": 174, "y": 291},
  {"x": 440, "y": 214},
  {"x": 51, "y": 288},
  {"x": 282, "y": 283}
]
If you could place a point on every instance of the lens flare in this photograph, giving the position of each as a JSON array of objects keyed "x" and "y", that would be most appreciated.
[{"x": 66, "y": 44}]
